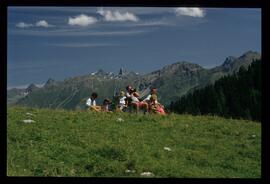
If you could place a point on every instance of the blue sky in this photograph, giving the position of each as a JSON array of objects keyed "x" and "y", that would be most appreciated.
[{"x": 61, "y": 42}]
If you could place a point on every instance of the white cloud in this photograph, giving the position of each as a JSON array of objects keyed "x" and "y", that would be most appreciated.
[
  {"x": 193, "y": 12},
  {"x": 43, "y": 23},
  {"x": 117, "y": 16},
  {"x": 23, "y": 25},
  {"x": 82, "y": 20}
]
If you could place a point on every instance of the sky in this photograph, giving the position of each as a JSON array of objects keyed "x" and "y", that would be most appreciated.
[{"x": 62, "y": 42}]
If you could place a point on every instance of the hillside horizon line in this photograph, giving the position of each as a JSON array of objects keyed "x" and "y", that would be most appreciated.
[{"x": 124, "y": 69}]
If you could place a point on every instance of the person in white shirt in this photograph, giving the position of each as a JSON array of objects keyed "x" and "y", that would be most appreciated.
[
  {"x": 135, "y": 102},
  {"x": 91, "y": 103},
  {"x": 122, "y": 101},
  {"x": 134, "y": 97},
  {"x": 129, "y": 90},
  {"x": 148, "y": 98},
  {"x": 153, "y": 91}
]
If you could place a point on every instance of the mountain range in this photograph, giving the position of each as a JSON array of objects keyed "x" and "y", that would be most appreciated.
[{"x": 172, "y": 82}]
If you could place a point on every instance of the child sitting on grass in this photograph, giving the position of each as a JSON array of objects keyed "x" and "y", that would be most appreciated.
[
  {"x": 91, "y": 103},
  {"x": 147, "y": 99},
  {"x": 122, "y": 101},
  {"x": 105, "y": 106},
  {"x": 156, "y": 107},
  {"x": 152, "y": 91}
]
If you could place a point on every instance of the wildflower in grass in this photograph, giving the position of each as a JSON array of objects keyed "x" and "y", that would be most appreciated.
[
  {"x": 147, "y": 174},
  {"x": 29, "y": 114},
  {"x": 119, "y": 120},
  {"x": 167, "y": 149},
  {"x": 130, "y": 171},
  {"x": 28, "y": 121}
]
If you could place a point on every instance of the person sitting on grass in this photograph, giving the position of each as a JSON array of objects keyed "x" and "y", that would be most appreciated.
[
  {"x": 156, "y": 107},
  {"x": 135, "y": 102},
  {"x": 105, "y": 106},
  {"x": 129, "y": 91},
  {"x": 115, "y": 102},
  {"x": 91, "y": 103},
  {"x": 147, "y": 99},
  {"x": 122, "y": 101}
]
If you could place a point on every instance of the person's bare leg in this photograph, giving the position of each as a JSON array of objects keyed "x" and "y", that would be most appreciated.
[
  {"x": 133, "y": 107},
  {"x": 149, "y": 107},
  {"x": 137, "y": 108},
  {"x": 145, "y": 107}
]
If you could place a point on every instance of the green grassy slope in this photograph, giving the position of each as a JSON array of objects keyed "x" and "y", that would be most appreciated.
[{"x": 74, "y": 143}]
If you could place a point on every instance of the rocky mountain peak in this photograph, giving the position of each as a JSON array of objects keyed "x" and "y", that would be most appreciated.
[
  {"x": 49, "y": 82},
  {"x": 250, "y": 55},
  {"x": 179, "y": 66},
  {"x": 232, "y": 64},
  {"x": 124, "y": 73},
  {"x": 228, "y": 61},
  {"x": 175, "y": 80},
  {"x": 121, "y": 71},
  {"x": 31, "y": 88},
  {"x": 101, "y": 72}
]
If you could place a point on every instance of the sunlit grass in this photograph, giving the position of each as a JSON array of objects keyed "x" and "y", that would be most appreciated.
[{"x": 77, "y": 143}]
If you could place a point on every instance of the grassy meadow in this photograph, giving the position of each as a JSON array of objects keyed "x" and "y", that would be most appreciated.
[{"x": 87, "y": 144}]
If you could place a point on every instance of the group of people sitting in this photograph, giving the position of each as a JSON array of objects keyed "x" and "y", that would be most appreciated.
[{"x": 127, "y": 101}]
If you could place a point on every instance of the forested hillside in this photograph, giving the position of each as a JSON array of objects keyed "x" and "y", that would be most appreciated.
[{"x": 237, "y": 95}]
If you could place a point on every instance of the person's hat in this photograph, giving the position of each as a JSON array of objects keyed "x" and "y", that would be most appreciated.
[
  {"x": 122, "y": 93},
  {"x": 107, "y": 100}
]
